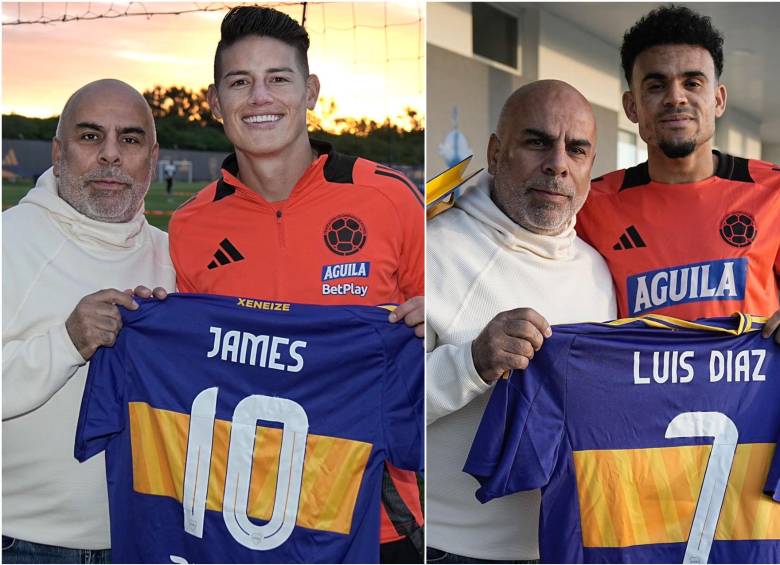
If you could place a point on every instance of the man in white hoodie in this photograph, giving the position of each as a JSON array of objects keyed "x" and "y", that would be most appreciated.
[
  {"x": 508, "y": 242},
  {"x": 81, "y": 229}
]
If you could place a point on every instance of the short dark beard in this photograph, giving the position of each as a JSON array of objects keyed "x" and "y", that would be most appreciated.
[{"x": 677, "y": 150}]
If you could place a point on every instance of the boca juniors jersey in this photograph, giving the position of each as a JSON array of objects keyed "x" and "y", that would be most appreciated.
[
  {"x": 694, "y": 250},
  {"x": 240, "y": 430},
  {"x": 650, "y": 445}
]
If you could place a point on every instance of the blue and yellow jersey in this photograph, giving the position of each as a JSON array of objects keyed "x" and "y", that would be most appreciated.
[
  {"x": 653, "y": 440},
  {"x": 250, "y": 431}
]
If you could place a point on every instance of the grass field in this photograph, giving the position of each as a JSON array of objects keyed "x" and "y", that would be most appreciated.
[{"x": 158, "y": 207}]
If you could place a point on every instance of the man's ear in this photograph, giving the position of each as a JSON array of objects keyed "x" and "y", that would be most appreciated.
[
  {"x": 213, "y": 98},
  {"x": 720, "y": 100},
  {"x": 629, "y": 106},
  {"x": 312, "y": 91},
  {"x": 494, "y": 148},
  {"x": 154, "y": 156},
  {"x": 56, "y": 156}
]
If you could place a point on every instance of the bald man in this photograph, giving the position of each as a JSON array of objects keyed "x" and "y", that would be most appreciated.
[
  {"x": 72, "y": 242},
  {"x": 503, "y": 264}
]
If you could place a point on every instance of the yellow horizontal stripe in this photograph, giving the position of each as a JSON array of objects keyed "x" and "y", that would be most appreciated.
[
  {"x": 634, "y": 483},
  {"x": 157, "y": 468},
  {"x": 758, "y": 516},
  {"x": 642, "y": 496},
  {"x": 265, "y": 470},
  {"x": 663, "y": 521},
  {"x": 219, "y": 456},
  {"x": 332, "y": 472},
  {"x": 597, "y": 525}
]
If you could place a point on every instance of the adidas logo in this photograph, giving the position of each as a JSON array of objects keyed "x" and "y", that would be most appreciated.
[
  {"x": 629, "y": 240},
  {"x": 221, "y": 259}
]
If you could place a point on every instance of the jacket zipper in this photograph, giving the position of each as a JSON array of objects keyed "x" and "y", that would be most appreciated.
[{"x": 280, "y": 229}]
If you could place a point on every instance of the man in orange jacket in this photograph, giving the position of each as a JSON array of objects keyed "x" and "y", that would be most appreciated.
[{"x": 291, "y": 220}]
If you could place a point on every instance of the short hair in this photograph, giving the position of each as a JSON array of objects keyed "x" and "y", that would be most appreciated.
[
  {"x": 245, "y": 21},
  {"x": 671, "y": 25}
]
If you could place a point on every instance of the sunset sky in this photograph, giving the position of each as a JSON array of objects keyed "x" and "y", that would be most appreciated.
[{"x": 368, "y": 56}]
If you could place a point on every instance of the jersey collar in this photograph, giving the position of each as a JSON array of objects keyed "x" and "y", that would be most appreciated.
[
  {"x": 729, "y": 168},
  {"x": 229, "y": 182}
]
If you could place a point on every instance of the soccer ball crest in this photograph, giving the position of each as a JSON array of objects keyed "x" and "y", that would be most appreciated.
[
  {"x": 345, "y": 235},
  {"x": 738, "y": 229}
]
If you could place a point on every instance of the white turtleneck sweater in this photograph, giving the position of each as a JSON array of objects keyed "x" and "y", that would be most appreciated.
[
  {"x": 480, "y": 263},
  {"x": 52, "y": 257}
]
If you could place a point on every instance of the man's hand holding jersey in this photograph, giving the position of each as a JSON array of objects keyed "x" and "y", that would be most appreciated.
[
  {"x": 412, "y": 312},
  {"x": 508, "y": 342},
  {"x": 96, "y": 321},
  {"x": 144, "y": 292}
]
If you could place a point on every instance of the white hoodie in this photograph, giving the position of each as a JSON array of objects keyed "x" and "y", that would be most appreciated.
[
  {"x": 480, "y": 263},
  {"x": 52, "y": 257}
]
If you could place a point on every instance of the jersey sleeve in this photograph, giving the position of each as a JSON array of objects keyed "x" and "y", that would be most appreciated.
[
  {"x": 402, "y": 405},
  {"x": 102, "y": 414},
  {"x": 516, "y": 445}
]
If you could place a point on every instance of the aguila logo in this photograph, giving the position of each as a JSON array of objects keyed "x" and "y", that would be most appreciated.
[
  {"x": 738, "y": 229},
  {"x": 345, "y": 235}
]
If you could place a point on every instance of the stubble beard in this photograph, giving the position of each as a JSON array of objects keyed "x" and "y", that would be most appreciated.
[
  {"x": 541, "y": 217},
  {"x": 114, "y": 207}
]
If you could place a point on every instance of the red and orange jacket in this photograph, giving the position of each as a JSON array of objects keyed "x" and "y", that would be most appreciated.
[{"x": 703, "y": 249}]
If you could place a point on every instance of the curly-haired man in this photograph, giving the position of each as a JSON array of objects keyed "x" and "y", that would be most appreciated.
[{"x": 692, "y": 232}]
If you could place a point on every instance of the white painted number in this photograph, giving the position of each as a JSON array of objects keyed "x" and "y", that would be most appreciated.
[
  {"x": 196, "y": 469},
  {"x": 716, "y": 476},
  {"x": 239, "y": 467}
]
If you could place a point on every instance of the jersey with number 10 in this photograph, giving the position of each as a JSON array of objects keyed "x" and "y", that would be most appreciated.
[
  {"x": 248, "y": 431},
  {"x": 650, "y": 445}
]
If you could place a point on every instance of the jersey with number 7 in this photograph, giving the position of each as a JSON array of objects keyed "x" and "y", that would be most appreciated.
[{"x": 651, "y": 444}]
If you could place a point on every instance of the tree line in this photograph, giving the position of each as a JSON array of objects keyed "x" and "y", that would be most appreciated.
[{"x": 184, "y": 121}]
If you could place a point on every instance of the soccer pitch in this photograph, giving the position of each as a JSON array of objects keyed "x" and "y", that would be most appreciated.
[{"x": 158, "y": 207}]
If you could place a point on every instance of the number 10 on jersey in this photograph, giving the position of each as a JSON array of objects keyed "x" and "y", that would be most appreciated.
[{"x": 239, "y": 467}]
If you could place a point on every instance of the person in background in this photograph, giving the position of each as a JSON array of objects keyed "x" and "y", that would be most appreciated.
[{"x": 169, "y": 172}]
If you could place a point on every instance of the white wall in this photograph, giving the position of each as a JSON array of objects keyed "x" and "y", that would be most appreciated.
[
  {"x": 477, "y": 89},
  {"x": 739, "y": 134},
  {"x": 550, "y": 47},
  {"x": 588, "y": 63},
  {"x": 456, "y": 78},
  {"x": 448, "y": 26},
  {"x": 771, "y": 152}
]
